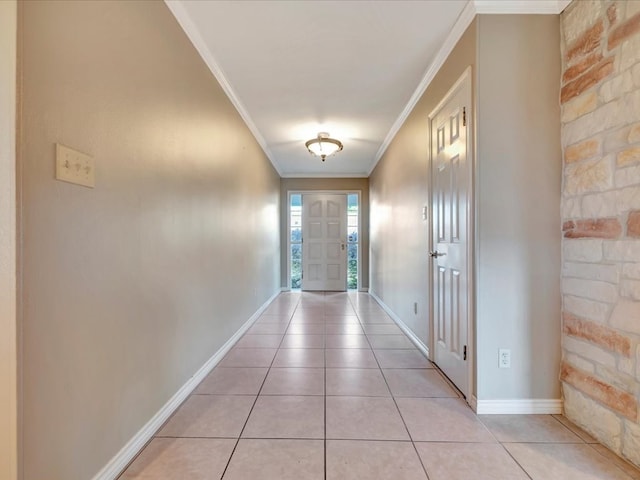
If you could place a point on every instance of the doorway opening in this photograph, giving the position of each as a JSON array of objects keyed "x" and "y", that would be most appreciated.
[{"x": 295, "y": 239}]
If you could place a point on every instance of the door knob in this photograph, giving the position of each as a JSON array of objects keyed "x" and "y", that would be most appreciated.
[{"x": 436, "y": 254}]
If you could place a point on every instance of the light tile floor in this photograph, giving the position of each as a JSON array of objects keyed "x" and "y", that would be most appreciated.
[{"x": 326, "y": 386}]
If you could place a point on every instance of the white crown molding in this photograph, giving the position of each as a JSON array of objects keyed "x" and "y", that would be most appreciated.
[
  {"x": 184, "y": 20},
  {"x": 119, "y": 462},
  {"x": 473, "y": 8}
]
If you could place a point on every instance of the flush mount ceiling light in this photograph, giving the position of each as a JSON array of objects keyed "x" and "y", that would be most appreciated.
[{"x": 323, "y": 146}]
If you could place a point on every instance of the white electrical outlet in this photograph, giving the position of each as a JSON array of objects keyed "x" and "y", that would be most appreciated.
[
  {"x": 504, "y": 358},
  {"x": 74, "y": 167}
]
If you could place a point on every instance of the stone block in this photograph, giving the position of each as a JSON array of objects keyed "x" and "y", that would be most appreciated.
[
  {"x": 626, "y": 316},
  {"x": 631, "y": 270},
  {"x": 582, "y": 66},
  {"x": 579, "y": 17},
  {"x": 631, "y": 441},
  {"x": 629, "y": 53},
  {"x": 585, "y": 103},
  {"x": 615, "y": 398},
  {"x": 593, "y": 228},
  {"x": 596, "y": 311},
  {"x": 622, "y": 250},
  {"x": 627, "y": 176},
  {"x": 588, "y": 350},
  {"x": 630, "y": 289},
  {"x": 588, "y": 41},
  {"x": 597, "y": 334},
  {"x": 626, "y": 29},
  {"x": 617, "y": 86},
  {"x": 580, "y": 362},
  {"x": 600, "y": 205},
  {"x": 626, "y": 365},
  {"x": 588, "y": 176},
  {"x": 591, "y": 289},
  {"x": 605, "y": 117},
  {"x": 581, "y": 151},
  {"x": 587, "y": 250},
  {"x": 616, "y": 378},
  {"x": 582, "y": 411},
  {"x": 628, "y": 156},
  {"x": 633, "y": 220},
  {"x": 616, "y": 140},
  {"x": 634, "y": 132},
  {"x": 591, "y": 77},
  {"x": 591, "y": 271},
  {"x": 628, "y": 199},
  {"x": 571, "y": 208}
]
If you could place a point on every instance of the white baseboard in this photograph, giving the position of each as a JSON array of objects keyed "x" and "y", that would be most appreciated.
[
  {"x": 520, "y": 407},
  {"x": 364, "y": 290},
  {"x": 407, "y": 331},
  {"x": 118, "y": 463}
]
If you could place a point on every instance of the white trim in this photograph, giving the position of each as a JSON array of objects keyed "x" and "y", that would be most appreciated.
[
  {"x": 363, "y": 290},
  {"x": 407, "y": 331},
  {"x": 544, "y": 7},
  {"x": 526, "y": 406},
  {"x": 184, "y": 20},
  {"x": 120, "y": 461}
]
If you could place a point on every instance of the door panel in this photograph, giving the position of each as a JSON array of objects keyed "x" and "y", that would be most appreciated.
[
  {"x": 324, "y": 233},
  {"x": 451, "y": 177}
]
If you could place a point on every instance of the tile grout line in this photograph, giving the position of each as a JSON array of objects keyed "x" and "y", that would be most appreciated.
[
  {"x": 415, "y": 449},
  {"x": 233, "y": 451}
]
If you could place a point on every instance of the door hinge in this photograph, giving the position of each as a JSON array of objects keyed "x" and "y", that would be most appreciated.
[
  {"x": 464, "y": 353},
  {"x": 464, "y": 116}
]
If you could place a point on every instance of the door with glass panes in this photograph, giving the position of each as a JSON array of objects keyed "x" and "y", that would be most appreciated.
[{"x": 297, "y": 246}]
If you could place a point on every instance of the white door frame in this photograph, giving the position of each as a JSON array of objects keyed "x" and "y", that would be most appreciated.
[
  {"x": 465, "y": 78},
  {"x": 323, "y": 192}
]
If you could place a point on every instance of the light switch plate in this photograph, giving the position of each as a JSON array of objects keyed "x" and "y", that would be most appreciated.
[{"x": 74, "y": 167}]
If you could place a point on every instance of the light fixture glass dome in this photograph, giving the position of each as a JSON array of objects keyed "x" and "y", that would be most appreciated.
[{"x": 323, "y": 146}]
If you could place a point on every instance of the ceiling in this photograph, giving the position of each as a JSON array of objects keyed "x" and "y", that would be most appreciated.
[{"x": 351, "y": 68}]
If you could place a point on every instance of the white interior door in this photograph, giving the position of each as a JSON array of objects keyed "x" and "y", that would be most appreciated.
[
  {"x": 451, "y": 176},
  {"x": 324, "y": 238}
]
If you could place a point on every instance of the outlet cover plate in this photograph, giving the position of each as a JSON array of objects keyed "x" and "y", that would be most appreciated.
[{"x": 74, "y": 167}]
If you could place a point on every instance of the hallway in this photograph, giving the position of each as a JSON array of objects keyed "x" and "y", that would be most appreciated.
[{"x": 325, "y": 385}]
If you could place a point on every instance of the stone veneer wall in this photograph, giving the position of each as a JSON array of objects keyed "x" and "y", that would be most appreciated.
[{"x": 600, "y": 100}]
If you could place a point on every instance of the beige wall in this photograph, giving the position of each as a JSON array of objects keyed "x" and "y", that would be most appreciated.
[
  {"x": 518, "y": 181},
  {"x": 129, "y": 288},
  {"x": 399, "y": 237},
  {"x": 8, "y": 330},
  {"x": 311, "y": 184},
  {"x": 515, "y": 60},
  {"x": 601, "y": 221}
]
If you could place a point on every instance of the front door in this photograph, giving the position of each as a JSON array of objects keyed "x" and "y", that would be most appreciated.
[
  {"x": 451, "y": 177},
  {"x": 324, "y": 236}
]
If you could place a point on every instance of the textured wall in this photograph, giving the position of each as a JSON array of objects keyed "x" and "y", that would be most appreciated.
[
  {"x": 601, "y": 212},
  {"x": 129, "y": 288}
]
